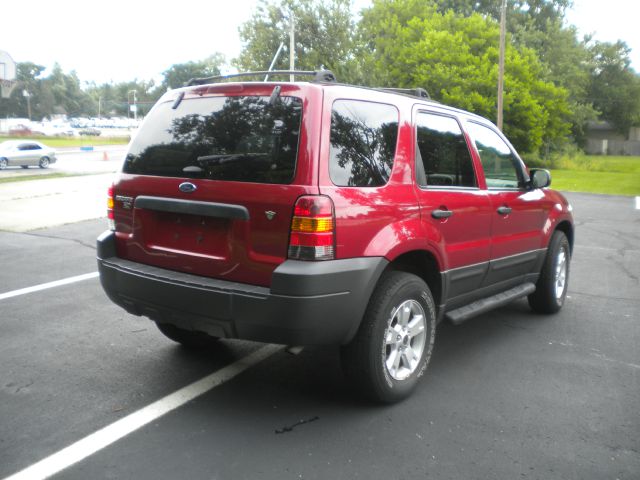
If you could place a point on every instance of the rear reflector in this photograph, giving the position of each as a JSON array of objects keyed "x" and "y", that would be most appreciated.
[{"x": 312, "y": 229}]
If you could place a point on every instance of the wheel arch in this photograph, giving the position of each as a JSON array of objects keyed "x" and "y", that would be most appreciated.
[
  {"x": 566, "y": 228},
  {"x": 423, "y": 264}
]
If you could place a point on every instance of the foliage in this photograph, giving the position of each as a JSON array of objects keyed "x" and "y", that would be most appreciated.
[
  {"x": 519, "y": 12},
  {"x": 456, "y": 59},
  {"x": 615, "y": 87},
  {"x": 177, "y": 75},
  {"x": 555, "y": 81},
  {"x": 323, "y": 36}
]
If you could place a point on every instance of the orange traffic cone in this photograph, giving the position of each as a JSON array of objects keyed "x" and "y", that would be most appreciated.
[{"x": 105, "y": 157}]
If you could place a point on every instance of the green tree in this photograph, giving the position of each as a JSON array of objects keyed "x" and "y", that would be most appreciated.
[
  {"x": 69, "y": 97},
  {"x": 615, "y": 87},
  {"x": 324, "y": 36},
  {"x": 540, "y": 25},
  {"x": 456, "y": 59},
  {"x": 177, "y": 75},
  {"x": 566, "y": 61},
  {"x": 534, "y": 13},
  {"x": 28, "y": 78}
]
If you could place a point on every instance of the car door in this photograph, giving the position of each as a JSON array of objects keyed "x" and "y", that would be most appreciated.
[
  {"x": 26, "y": 154},
  {"x": 451, "y": 201},
  {"x": 518, "y": 212}
]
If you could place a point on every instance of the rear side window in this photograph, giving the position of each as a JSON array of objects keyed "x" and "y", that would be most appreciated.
[
  {"x": 244, "y": 139},
  {"x": 363, "y": 143},
  {"x": 443, "y": 151}
]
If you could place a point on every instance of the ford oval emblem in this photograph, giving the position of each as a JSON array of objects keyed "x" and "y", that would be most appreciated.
[{"x": 187, "y": 187}]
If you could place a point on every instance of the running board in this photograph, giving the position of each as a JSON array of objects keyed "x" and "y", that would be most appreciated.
[{"x": 462, "y": 314}]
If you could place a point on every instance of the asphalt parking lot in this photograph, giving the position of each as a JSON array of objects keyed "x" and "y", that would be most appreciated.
[{"x": 508, "y": 395}]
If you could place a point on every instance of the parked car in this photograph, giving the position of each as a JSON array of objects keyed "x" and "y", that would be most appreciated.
[
  {"x": 25, "y": 154},
  {"x": 314, "y": 213},
  {"x": 20, "y": 131},
  {"x": 90, "y": 131}
]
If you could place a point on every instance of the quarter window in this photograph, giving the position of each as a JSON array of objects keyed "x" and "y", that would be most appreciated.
[
  {"x": 443, "y": 158},
  {"x": 363, "y": 143},
  {"x": 501, "y": 167}
]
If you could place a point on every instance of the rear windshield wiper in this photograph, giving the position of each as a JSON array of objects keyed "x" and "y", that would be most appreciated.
[{"x": 231, "y": 157}]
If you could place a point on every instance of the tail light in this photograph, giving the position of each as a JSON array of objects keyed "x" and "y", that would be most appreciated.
[
  {"x": 110, "y": 219},
  {"x": 312, "y": 229}
]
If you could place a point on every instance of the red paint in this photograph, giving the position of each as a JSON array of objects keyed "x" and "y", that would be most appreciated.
[{"x": 383, "y": 221}]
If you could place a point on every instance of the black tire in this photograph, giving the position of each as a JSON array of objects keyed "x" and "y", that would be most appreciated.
[
  {"x": 3, "y": 163},
  {"x": 368, "y": 359},
  {"x": 44, "y": 162},
  {"x": 551, "y": 288},
  {"x": 189, "y": 339}
]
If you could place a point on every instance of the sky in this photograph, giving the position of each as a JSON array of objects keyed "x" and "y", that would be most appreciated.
[{"x": 121, "y": 40}]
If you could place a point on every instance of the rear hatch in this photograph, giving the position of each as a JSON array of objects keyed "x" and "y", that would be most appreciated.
[{"x": 209, "y": 182}]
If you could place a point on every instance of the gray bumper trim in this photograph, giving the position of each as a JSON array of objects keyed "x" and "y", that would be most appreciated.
[{"x": 309, "y": 303}]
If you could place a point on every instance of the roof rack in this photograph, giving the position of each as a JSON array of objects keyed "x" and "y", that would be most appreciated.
[
  {"x": 414, "y": 92},
  {"x": 321, "y": 76}
]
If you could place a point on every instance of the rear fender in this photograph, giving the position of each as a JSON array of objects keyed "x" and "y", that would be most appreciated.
[{"x": 406, "y": 236}]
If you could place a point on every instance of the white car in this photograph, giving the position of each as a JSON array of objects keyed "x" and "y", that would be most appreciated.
[{"x": 25, "y": 153}]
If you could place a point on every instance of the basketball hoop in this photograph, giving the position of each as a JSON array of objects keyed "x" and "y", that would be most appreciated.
[
  {"x": 7, "y": 74},
  {"x": 6, "y": 87}
]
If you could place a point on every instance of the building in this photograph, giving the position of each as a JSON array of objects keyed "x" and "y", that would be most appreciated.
[{"x": 604, "y": 139}]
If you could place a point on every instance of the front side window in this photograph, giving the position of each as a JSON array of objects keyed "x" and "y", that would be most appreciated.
[
  {"x": 363, "y": 143},
  {"x": 501, "y": 167},
  {"x": 443, "y": 151},
  {"x": 244, "y": 139}
]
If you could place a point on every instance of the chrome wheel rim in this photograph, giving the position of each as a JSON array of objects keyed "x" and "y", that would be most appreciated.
[
  {"x": 44, "y": 162},
  {"x": 561, "y": 273},
  {"x": 405, "y": 339}
]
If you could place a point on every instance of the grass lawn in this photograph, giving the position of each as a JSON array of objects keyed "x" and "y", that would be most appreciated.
[
  {"x": 26, "y": 178},
  {"x": 598, "y": 174},
  {"x": 612, "y": 183},
  {"x": 58, "y": 142}
]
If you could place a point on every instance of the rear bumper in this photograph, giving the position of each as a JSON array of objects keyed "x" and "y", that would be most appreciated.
[{"x": 309, "y": 303}]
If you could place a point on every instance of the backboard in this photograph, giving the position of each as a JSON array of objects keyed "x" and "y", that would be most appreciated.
[{"x": 7, "y": 74}]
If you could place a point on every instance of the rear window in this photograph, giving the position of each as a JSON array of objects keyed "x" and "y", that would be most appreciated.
[
  {"x": 244, "y": 139},
  {"x": 363, "y": 143}
]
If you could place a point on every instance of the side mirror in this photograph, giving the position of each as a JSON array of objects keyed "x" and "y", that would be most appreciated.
[{"x": 539, "y": 178}]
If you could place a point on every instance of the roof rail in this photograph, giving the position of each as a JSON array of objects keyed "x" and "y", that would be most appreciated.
[
  {"x": 414, "y": 92},
  {"x": 321, "y": 76}
]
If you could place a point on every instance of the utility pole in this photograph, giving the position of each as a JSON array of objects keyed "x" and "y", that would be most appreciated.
[
  {"x": 133, "y": 107},
  {"x": 292, "y": 46},
  {"x": 26, "y": 94},
  {"x": 503, "y": 27}
]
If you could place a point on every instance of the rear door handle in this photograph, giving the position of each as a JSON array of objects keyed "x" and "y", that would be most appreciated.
[
  {"x": 504, "y": 210},
  {"x": 441, "y": 213}
]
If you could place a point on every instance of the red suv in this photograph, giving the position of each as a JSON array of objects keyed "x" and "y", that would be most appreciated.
[{"x": 315, "y": 213}]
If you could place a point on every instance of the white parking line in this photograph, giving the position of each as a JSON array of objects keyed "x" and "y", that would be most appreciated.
[
  {"x": 119, "y": 429},
  {"x": 44, "y": 286}
]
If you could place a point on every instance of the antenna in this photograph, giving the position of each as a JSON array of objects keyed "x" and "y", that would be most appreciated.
[{"x": 273, "y": 62}]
